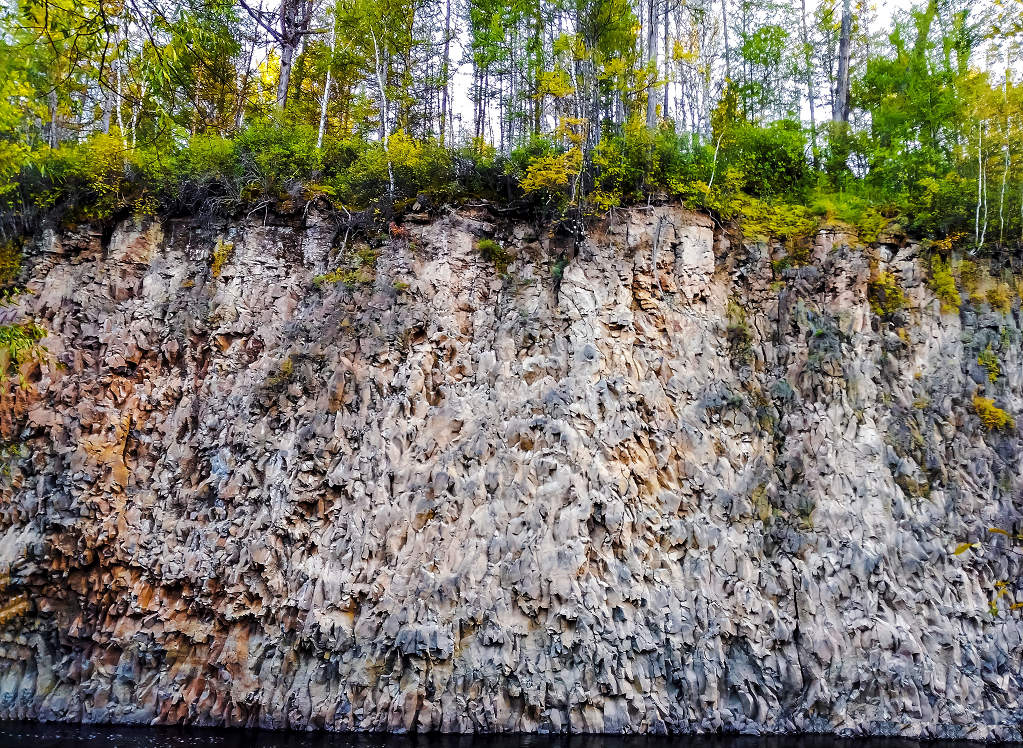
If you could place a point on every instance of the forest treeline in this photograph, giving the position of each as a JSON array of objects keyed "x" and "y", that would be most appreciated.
[{"x": 776, "y": 114}]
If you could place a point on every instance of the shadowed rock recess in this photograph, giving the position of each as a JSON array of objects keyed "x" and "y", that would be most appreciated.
[{"x": 642, "y": 482}]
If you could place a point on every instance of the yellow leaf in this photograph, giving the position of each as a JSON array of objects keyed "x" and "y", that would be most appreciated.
[
  {"x": 998, "y": 530},
  {"x": 961, "y": 548}
]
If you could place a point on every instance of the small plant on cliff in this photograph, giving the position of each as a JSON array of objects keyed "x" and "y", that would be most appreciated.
[
  {"x": 493, "y": 252},
  {"x": 350, "y": 278},
  {"x": 558, "y": 268},
  {"x": 740, "y": 339},
  {"x": 943, "y": 283},
  {"x": 999, "y": 297},
  {"x": 283, "y": 374},
  {"x": 885, "y": 295},
  {"x": 11, "y": 605},
  {"x": 969, "y": 275},
  {"x": 991, "y": 416},
  {"x": 356, "y": 271},
  {"x": 10, "y": 261},
  {"x": 19, "y": 344},
  {"x": 221, "y": 254},
  {"x": 987, "y": 359}
]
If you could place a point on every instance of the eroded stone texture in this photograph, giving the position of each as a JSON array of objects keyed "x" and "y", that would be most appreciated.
[{"x": 626, "y": 487}]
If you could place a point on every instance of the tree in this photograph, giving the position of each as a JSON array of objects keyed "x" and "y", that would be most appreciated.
[
  {"x": 293, "y": 18},
  {"x": 840, "y": 110}
]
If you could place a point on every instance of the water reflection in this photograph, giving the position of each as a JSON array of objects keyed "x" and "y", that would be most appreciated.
[{"x": 34, "y": 735}]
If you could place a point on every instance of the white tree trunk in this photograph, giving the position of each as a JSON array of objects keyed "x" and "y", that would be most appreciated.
[
  {"x": 326, "y": 91},
  {"x": 384, "y": 134}
]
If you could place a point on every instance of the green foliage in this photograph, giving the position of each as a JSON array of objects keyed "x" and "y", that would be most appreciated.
[
  {"x": 991, "y": 416},
  {"x": 989, "y": 361},
  {"x": 99, "y": 177},
  {"x": 885, "y": 295},
  {"x": 207, "y": 160},
  {"x": 359, "y": 170},
  {"x": 19, "y": 344},
  {"x": 763, "y": 220},
  {"x": 845, "y": 209},
  {"x": 943, "y": 283},
  {"x": 274, "y": 153},
  {"x": 638, "y": 161},
  {"x": 550, "y": 176},
  {"x": 999, "y": 297},
  {"x": 768, "y": 161},
  {"x": 10, "y": 262},
  {"x": 357, "y": 270},
  {"x": 493, "y": 252}
]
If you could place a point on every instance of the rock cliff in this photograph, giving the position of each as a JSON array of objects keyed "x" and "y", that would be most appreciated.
[{"x": 644, "y": 481}]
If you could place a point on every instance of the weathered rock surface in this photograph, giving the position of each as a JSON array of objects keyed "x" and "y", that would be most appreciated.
[{"x": 625, "y": 487}]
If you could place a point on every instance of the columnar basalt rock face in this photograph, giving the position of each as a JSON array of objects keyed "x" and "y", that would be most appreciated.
[{"x": 643, "y": 482}]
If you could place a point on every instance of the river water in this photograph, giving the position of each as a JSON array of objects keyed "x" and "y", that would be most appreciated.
[{"x": 34, "y": 735}]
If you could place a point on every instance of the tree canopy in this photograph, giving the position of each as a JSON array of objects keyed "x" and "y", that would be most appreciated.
[{"x": 569, "y": 106}]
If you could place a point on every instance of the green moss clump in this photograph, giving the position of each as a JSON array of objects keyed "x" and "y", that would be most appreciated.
[
  {"x": 358, "y": 270},
  {"x": 349, "y": 277},
  {"x": 943, "y": 283},
  {"x": 885, "y": 295},
  {"x": 991, "y": 416},
  {"x": 1000, "y": 298},
  {"x": 793, "y": 225},
  {"x": 493, "y": 252},
  {"x": 989, "y": 361}
]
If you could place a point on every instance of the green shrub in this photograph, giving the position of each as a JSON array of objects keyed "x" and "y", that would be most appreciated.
[
  {"x": 478, "y": 169},
  {"x": 206, "y": 168},
  {"x": 999, "y": 297},
  {"x": 273, "y": 153},
  {"x": 846, "y": 209},
  {"x": 885, "y": 295},
  {"x": 987, "y": 359},
  {"x": 522, "y": 156},
  {"x": 969, "y": 274},
  {"x": 357, "y": 270},
  {"x": 943, "y": 283},
  {"x": 550, "y": 177},
  {"x": 10, "y": 262},
  {"x": 493, "y": 252},
  {"x": 18, "y": 344},
  {"x": 770, "y": 160},
  {"x": 98, "y": 178},
  {"x": 791, "y": 224},
  {"x": 359, "y": 171},
  {"x": 636, "y": 161}
]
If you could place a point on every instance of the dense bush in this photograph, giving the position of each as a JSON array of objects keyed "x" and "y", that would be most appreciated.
[
  {"x": 760, "y": 177},
  {"x": 359, "y": 171},
  {"x": 272, "y": 154},
  {"x": 771, "y": 161}
]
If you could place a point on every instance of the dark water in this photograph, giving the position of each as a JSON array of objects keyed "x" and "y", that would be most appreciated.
[{"x": 33, "y": 735}]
